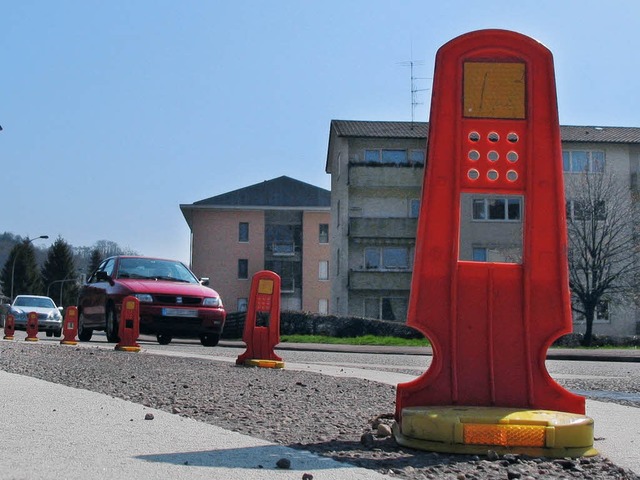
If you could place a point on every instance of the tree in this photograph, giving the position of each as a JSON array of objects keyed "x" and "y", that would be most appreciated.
[
  {"x": 20, "y": 272},
  {"x": 59, "y": 273},
  {"x": 94, "y": 261},
  {"x": 603, "y": 261}
]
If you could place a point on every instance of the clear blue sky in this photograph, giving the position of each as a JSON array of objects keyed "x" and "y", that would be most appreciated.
[{"x": 115, "y": 112}]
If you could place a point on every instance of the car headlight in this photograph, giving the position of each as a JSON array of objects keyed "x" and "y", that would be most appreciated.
[
  {"x": 144, "y": 297},
  {"x": 19, "y": 314},
  {"x": 54, "y": 315},
  {"x": 212, "y": 302}
]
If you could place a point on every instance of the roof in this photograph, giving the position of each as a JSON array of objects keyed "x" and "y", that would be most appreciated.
[
  {"x": 278, "y": 192},
  {"x": 591, "y": 134}
]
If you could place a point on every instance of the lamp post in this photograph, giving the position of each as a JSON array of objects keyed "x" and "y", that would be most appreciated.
[{"x": 13, "y": 267}]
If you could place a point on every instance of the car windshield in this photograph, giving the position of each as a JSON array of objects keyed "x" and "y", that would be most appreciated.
[
  {"x": 152, "y": 269},
  {"x": 37, "y": 302}
]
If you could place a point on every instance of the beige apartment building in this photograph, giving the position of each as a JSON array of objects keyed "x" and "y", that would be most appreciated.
[
  {"x": 280, "y": 225},
  {"x": 376, "y": 173}
]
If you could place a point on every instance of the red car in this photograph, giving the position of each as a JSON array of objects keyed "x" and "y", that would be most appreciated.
[{"x": 173, "y": 302}]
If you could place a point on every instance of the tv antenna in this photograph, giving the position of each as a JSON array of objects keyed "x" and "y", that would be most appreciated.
[{"x": 414, "y": 89}]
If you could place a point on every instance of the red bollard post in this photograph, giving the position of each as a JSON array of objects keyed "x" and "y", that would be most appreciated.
[
  {"x": 32, "y": 327},
  {"x": 9, "y": 327},
  {"x": 129, "y": 328},
  {"x": 70, "y": 327}
]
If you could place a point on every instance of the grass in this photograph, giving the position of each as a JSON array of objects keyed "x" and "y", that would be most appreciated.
[{"x": 364, "y": 340}]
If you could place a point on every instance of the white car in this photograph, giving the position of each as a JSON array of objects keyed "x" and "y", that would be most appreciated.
[{"x": 49, "y": 316}]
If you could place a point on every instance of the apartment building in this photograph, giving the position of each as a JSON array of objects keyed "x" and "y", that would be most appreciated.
[
  {"x": 280, "y": 225},
  {"x": 376, "y": 173}
]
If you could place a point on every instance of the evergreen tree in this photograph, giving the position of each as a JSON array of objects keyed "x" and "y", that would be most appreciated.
[
  {"x": 94, "y": 261},
  {"x": 20, "y": 274},
  {"x": 59, "y": 274}
]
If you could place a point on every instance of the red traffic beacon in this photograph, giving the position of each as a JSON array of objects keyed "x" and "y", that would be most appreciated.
[
  {"x": 262, "y": 323},
  {"x": 493, "y": 172},
  {"x": 70, "y": 327},
  {"x": 129, "y": 327},
  {"x": 9, "y": 327},
  {"x": 32, "y": 327}
]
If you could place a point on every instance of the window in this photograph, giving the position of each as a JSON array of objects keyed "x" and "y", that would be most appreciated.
[
  {"x": 323, "y": 306},
  {"x": 323, "y": 236},
  {"x": 479, "y": 254},
  {"x": 243, "y": 268},
  {"x": 389, "y": 258},
  {"x": 580, "y": 210},
  {"x": 392, "y": 156},
  {"x": 242, "y": 304},
  {"x": 497, "y": 208},
  {"x": 416, "y": 157},
  {"x": 582, "y": 161},
  {"x": 414, "y": 208},
  {"x": 243, "y": 232},
  {"x": 386, "y": 308},
  {"x": 323, "y": 270}
]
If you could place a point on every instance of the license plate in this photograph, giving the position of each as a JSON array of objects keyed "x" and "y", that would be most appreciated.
[{"x": 179, "y": 312}]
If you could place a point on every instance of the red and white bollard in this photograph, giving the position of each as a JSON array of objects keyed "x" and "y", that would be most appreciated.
[{"x": 129, "y": 328}]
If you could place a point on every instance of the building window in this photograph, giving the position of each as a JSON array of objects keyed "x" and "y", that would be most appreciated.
[
  {"x": 242, "y": 304},
  {"x": 416, "y": 157},
  {"x": 579, "y": 210},
  {"x": 479, "y": 254},
  {"x": 388, "y": 258},
  {"x": 386, "y": 308},
  {"x": 506, "y": 209},
  {"x": 577, "y": 161},
  {"x": 414, "y": 208},
  {"x": 323, "y": 270},
  {"x": 323, "y": 236},
  {"x": 390, "y": 156},
  {"x": 243, "y": 268},
  {"x": 323, "y": 306},
  {"x": 243, "y": 232}
]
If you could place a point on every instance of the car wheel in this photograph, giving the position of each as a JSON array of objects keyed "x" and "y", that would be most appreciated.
[
  {"x": 164, "y": 339},
  {"x": 57, "y": 333},
  {"x": 49, "y": 333},
  {"x": 84, "y": 334},
  {"x": 209, "y": 339},
  {"x": 112, "y": 325}
]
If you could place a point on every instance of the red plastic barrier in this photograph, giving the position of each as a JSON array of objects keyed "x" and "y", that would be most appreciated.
[
  {"x": 32, "y": 327},
  {"x": 129, "y": 328},
  {"x": 9, "y": 327},
  {"x": 262, "y": 325},
  {"x": 70, "y": 327},
  {"x": 493, "y": 131}
]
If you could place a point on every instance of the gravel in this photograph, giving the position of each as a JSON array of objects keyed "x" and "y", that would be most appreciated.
[{"x": 344, "y": 419}]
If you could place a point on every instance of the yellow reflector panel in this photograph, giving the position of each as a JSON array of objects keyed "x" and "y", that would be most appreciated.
[{"x": 504, "y": 435}]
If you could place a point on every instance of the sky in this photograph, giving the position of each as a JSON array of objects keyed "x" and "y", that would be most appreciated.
[{"x": 115, "y": 113}]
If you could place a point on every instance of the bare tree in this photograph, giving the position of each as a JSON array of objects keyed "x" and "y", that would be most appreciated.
[{"x": 603, "y": 262}]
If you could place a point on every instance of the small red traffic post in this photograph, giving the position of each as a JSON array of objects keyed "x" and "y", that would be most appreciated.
[
  {"x": 32, "y": 327},
  {"x": 262, "y": 324},
  {"x": 9, "y": 327},
  {"x": 70, "y": 327},
  {"x": 129, "y": 328}
]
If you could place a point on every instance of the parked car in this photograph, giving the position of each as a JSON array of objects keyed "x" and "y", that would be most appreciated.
[
  {"x": 173, "y": 301},
  {"x": 49, "y": 316}
]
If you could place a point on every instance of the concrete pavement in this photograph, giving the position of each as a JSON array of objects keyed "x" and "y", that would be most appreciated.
[
  {"x": 50, "y": 431},
  {"x": 61, "y": 432}
]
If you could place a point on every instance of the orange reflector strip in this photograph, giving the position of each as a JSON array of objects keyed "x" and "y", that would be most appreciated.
[{"x": 504, "y": 435}]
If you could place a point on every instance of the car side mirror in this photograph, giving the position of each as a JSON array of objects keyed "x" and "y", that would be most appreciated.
[
  {"x": 102, "y": 276},
  {"x": 204, "y": 281}
]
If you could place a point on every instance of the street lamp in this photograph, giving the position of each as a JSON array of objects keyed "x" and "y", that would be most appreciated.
[{"x": 13, "y": 267}]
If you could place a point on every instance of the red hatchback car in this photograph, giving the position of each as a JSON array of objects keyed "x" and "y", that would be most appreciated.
[{"x": 173, "y": 302}]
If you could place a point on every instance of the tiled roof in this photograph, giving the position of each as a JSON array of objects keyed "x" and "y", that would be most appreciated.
[
  {"x": 355, "y": 128},
  {"x": 278, "y": 192}
]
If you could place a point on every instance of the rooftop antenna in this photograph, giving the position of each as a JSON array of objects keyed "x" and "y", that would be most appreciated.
[{"x": 414, "y": 89}]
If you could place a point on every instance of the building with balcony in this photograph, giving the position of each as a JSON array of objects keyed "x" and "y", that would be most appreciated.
[
  {"x": 280, "y": 225},
  {"x": 376, "y": 173}
]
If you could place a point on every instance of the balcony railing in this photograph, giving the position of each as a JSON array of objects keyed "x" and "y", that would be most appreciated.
[
  {"x": 380, "y": 280},
  {"x": 361, "y": 227}
]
